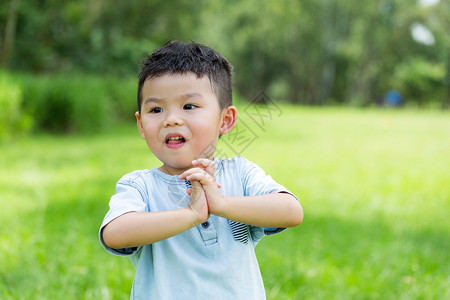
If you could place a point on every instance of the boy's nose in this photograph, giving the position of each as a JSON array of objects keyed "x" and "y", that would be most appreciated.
[{"x": 173, "y": 120}]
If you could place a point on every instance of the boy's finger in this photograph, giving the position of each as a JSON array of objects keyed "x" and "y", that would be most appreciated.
[
  {"x": 196, "y": 189},
  {"x": 190, "y": 172},
  {"x": 198, "y": 176},
  {"x": 206, "y": 164},
  {"x": 202, "y": 162},
  {"x": 211, "y": 168},
  {"x": 201, "y": 171},
  {"x": 201, "y": 177}
]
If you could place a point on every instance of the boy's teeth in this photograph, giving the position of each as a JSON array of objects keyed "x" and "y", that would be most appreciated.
[{"x": 175, "y": 138}]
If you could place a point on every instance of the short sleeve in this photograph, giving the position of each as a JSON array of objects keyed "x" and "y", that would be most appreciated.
[
  {"x": 130, "y": 196},
  {"x": 257, "y": 182}
]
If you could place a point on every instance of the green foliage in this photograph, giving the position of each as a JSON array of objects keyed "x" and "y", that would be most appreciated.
[
  {"x": 77, "y": 103},
  {"x": 325, "y": 52},
  {"x": 123, "y": 94},
  {"x": 373, "y": 185},
  {"x": 307, "y": 52},
  {"x": 64, "y": 104},
  {"x": 417, "y": 77},
  {"x": 12, "y": 119}
]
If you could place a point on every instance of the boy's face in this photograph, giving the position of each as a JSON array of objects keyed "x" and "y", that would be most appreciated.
[{"x": 180, "y": 119}]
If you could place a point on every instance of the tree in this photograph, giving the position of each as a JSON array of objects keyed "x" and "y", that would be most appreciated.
[
  {"x": 306, "y": 52},
  {"x": 9, "y": 36}
]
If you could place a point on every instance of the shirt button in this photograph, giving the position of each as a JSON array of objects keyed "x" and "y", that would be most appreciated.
[{"x": 205, "y": 225}]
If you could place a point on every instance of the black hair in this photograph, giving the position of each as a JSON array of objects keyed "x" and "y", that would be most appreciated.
[{"x": 178, "y": 57}]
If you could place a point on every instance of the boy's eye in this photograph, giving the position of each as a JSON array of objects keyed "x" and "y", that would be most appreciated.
[
  {"x": 156, "y": 110},
  {"x": 189, "y": 106}
]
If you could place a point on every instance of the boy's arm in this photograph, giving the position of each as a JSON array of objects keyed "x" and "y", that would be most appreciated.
[
  {"x": 135, "y": 229},
  {"x": 270, "y": 210}
]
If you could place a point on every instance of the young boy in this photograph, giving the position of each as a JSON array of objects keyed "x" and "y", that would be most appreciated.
[{"x": 191, "y": 225}]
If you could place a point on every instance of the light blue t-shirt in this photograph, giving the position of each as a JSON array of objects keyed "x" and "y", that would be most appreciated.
[{"x": 215, "y": 260}]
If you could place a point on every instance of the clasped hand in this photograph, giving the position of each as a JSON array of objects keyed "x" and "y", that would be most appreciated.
[{"x": 205, "y": 195}]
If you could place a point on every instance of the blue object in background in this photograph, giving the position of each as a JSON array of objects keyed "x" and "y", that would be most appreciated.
[{"x": 393, "y": 98}]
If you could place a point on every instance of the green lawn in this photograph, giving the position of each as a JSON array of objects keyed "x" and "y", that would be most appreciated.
[{"x": 374, "y": 185}]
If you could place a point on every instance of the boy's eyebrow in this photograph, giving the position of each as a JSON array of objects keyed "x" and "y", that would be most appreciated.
[
  {"x": 151, "y": 99},
  {"x": 184, "y": 96},
  {"x": 191, "y": 95}
]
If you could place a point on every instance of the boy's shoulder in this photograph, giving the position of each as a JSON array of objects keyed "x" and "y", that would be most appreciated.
[
  {"x": 135, "y": 176},
  {"x": 231, "y": 161},
  {"x": 234, "y": 164},
  {"x": 148, "y": 177}
]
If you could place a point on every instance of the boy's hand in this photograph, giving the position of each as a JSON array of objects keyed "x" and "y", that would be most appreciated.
[
  {"x": 203, "y": 173},
  {"x": 198, "y": 204}
]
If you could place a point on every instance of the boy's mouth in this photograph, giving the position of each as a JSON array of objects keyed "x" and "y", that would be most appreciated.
[{"x": 175, "y": 140}]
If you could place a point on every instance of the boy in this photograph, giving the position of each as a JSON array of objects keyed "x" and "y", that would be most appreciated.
[{"x": 188, "y": 235}]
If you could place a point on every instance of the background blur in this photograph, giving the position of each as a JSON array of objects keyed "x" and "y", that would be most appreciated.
[
  {"x": 305, "y": 52},
  {"x": 356, "y": 124}
]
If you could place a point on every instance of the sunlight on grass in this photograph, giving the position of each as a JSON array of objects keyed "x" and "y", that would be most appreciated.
[{"x": 373, "y": 185}]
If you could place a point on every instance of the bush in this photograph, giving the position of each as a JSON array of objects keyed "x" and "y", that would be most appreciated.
[
  {"x": 123, "y": 93},
  {"x": 73, "y": 103},
  {"x": 68, "y": 103},
  {"x": 420, "y": 81},
  {"x": 12, "y": 119}
]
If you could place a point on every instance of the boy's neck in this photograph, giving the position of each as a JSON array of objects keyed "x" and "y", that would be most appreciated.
[{"x": 171, "y": 171}]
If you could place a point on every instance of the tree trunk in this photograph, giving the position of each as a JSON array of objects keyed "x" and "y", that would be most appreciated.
[{"x": 10, "y": 32}]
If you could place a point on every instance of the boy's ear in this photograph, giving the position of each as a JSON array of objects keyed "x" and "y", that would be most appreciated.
[
  {"x": 139, "y": 124},
  {"x": 229, "y": 116}
]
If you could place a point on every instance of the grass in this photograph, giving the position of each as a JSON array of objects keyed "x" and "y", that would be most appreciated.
[{"x": 373, "y": 185}]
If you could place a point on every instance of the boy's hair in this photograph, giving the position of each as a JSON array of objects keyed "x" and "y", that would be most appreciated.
[{"x": 178, "y": 57}]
